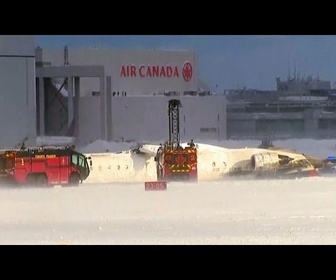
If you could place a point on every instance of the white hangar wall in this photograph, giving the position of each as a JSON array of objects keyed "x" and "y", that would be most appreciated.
[
  {"x": 136, "y": 72},
  {"x": 17, "y": 90},
  {"x": 89, "y": 120},
  {"x": 145, "y": 118}
]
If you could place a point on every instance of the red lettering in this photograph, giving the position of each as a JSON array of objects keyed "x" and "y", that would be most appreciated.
[
  {"x": 169, "y": 71},
  {"x": 148, "y": 74},
  {"x": 176, "y": 73},
  {"x": 155, "y": 71},
  {"x": 140, "y": 71},
  {"x": 162, "y": 72},
  {"x": 133, "y": 74},
  {"x": 123, "y": 71},
  {"x": 145, "y": 71}
]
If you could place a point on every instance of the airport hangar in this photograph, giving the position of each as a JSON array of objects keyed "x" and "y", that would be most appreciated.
[
  {"x": 98, "y": 93},
  {"x": 17, "y": 90}
]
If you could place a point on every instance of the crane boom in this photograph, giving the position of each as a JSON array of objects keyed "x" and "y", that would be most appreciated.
[{"x": 174, "y": 122}]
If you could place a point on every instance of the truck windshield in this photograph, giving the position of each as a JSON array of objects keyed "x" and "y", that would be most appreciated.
[{"x": 81, "y": 161}]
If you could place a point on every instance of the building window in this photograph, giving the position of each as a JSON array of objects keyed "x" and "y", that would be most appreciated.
[{"x": 208, "y": 129}]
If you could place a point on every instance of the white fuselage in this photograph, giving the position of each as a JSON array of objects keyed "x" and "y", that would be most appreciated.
[{"x": 214, "y": 163}]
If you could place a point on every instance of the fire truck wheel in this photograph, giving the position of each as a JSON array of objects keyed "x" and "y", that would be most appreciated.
[
  {"x": 31, "y": 180},
  {"x": 193, "y": 178},
  {"x": 159, "y": 174},
  {"x": 74, "y": 179},
  {"x": 42, "y": 180}
]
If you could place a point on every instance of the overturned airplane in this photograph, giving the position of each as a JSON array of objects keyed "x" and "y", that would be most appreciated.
[{"x": 214, "y": 163}]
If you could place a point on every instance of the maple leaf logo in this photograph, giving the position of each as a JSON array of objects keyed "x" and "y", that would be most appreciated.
[{"x": 187, "y": 71}]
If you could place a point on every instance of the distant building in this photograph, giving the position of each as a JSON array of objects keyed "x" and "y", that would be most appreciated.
[
  {"x": 300, "y": 108},
  {"x": 302, "y": 84}
]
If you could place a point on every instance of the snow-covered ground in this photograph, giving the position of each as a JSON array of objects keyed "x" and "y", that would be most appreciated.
[
  {"x": 233, "y": 212},
  {"x": 298, "y": 211}
]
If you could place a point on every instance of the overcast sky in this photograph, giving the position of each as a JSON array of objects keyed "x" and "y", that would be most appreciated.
[{"x": 229, "y": 61}]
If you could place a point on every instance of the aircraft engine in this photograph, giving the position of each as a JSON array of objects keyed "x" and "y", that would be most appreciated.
[{"x": 265, "y": 161}]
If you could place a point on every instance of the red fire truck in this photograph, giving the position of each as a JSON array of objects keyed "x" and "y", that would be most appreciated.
[
  {"x": 177, "y": 164},
  {"x": 44, "y": 167},
  {"x": 173, "y": 162}
]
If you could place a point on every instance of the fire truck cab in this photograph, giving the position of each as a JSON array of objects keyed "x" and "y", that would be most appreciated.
[{"x": 44, "y": 167}]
